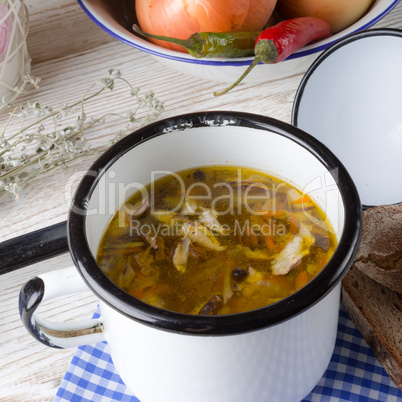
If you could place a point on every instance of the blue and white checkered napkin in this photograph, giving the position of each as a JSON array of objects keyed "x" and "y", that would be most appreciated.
[{"x": 353, "y": 374}]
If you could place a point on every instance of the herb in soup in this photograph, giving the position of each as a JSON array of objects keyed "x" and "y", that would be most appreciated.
[{"x": 216, "y": 240}]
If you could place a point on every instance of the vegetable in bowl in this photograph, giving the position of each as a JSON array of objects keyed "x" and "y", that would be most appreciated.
[
  {"x": 117, "y": 19},
  {"x": 340, "y": 14},
  {"x": 180, "y": 19}
]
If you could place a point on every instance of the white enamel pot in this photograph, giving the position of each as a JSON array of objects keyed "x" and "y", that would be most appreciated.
[{"x": 276, "y": 353}]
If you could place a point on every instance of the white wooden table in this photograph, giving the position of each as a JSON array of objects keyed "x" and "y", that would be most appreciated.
[{"x": 69, "y": 52}]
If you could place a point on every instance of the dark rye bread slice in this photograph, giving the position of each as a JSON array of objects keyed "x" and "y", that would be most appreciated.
[
  {"x": 377, "y": 313},
  {"x": 380, "y": 252}
]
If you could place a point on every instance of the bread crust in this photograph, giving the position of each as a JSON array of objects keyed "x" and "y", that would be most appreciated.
[
  {"x": 377, "y": 313},
  {"x": 380, "y": 252}
]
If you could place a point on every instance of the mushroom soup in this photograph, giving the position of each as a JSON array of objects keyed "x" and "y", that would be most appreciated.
[{"x": 216, "y": 240}]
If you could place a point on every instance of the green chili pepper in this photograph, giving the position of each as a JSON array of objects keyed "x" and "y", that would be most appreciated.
[{"x": 212, "y": 44}]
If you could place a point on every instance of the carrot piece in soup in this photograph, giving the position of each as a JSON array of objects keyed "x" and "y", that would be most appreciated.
[
  {"x": 301, "y": 280},
  {"x": 270, "y": 242}
]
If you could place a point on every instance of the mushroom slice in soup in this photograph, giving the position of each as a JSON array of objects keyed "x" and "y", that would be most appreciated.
[
  {"x": 139, "y": 208},
  {"x": 212, "y": 306},
  {"x": 160, "y": 253}
]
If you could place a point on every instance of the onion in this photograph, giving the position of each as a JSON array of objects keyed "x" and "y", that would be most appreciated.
[
  {"x": 338, "y": 13},
  {"x": 182, "y": 18}
]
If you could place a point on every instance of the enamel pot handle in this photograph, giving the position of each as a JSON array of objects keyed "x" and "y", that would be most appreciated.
[{"x": 57, "y": 335}]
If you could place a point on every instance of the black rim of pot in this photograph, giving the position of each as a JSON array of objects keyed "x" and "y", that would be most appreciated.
[{"x": 253, "y": 320}]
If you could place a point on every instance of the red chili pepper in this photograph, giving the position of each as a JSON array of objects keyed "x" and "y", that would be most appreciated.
[{"x": 281, "y": 40}]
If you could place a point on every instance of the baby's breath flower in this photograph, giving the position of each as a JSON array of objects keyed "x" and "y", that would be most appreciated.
[{"x": 48, "y": 142}]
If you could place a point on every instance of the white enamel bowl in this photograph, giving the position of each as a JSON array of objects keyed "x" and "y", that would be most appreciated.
[
  {"x": 117, "y": 17},
  {"x": 350, "y": 99},
  {"x": 276, "y": 353}
]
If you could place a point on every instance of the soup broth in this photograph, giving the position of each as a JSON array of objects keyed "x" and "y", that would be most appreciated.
[{"x": 216, "y": 240}]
